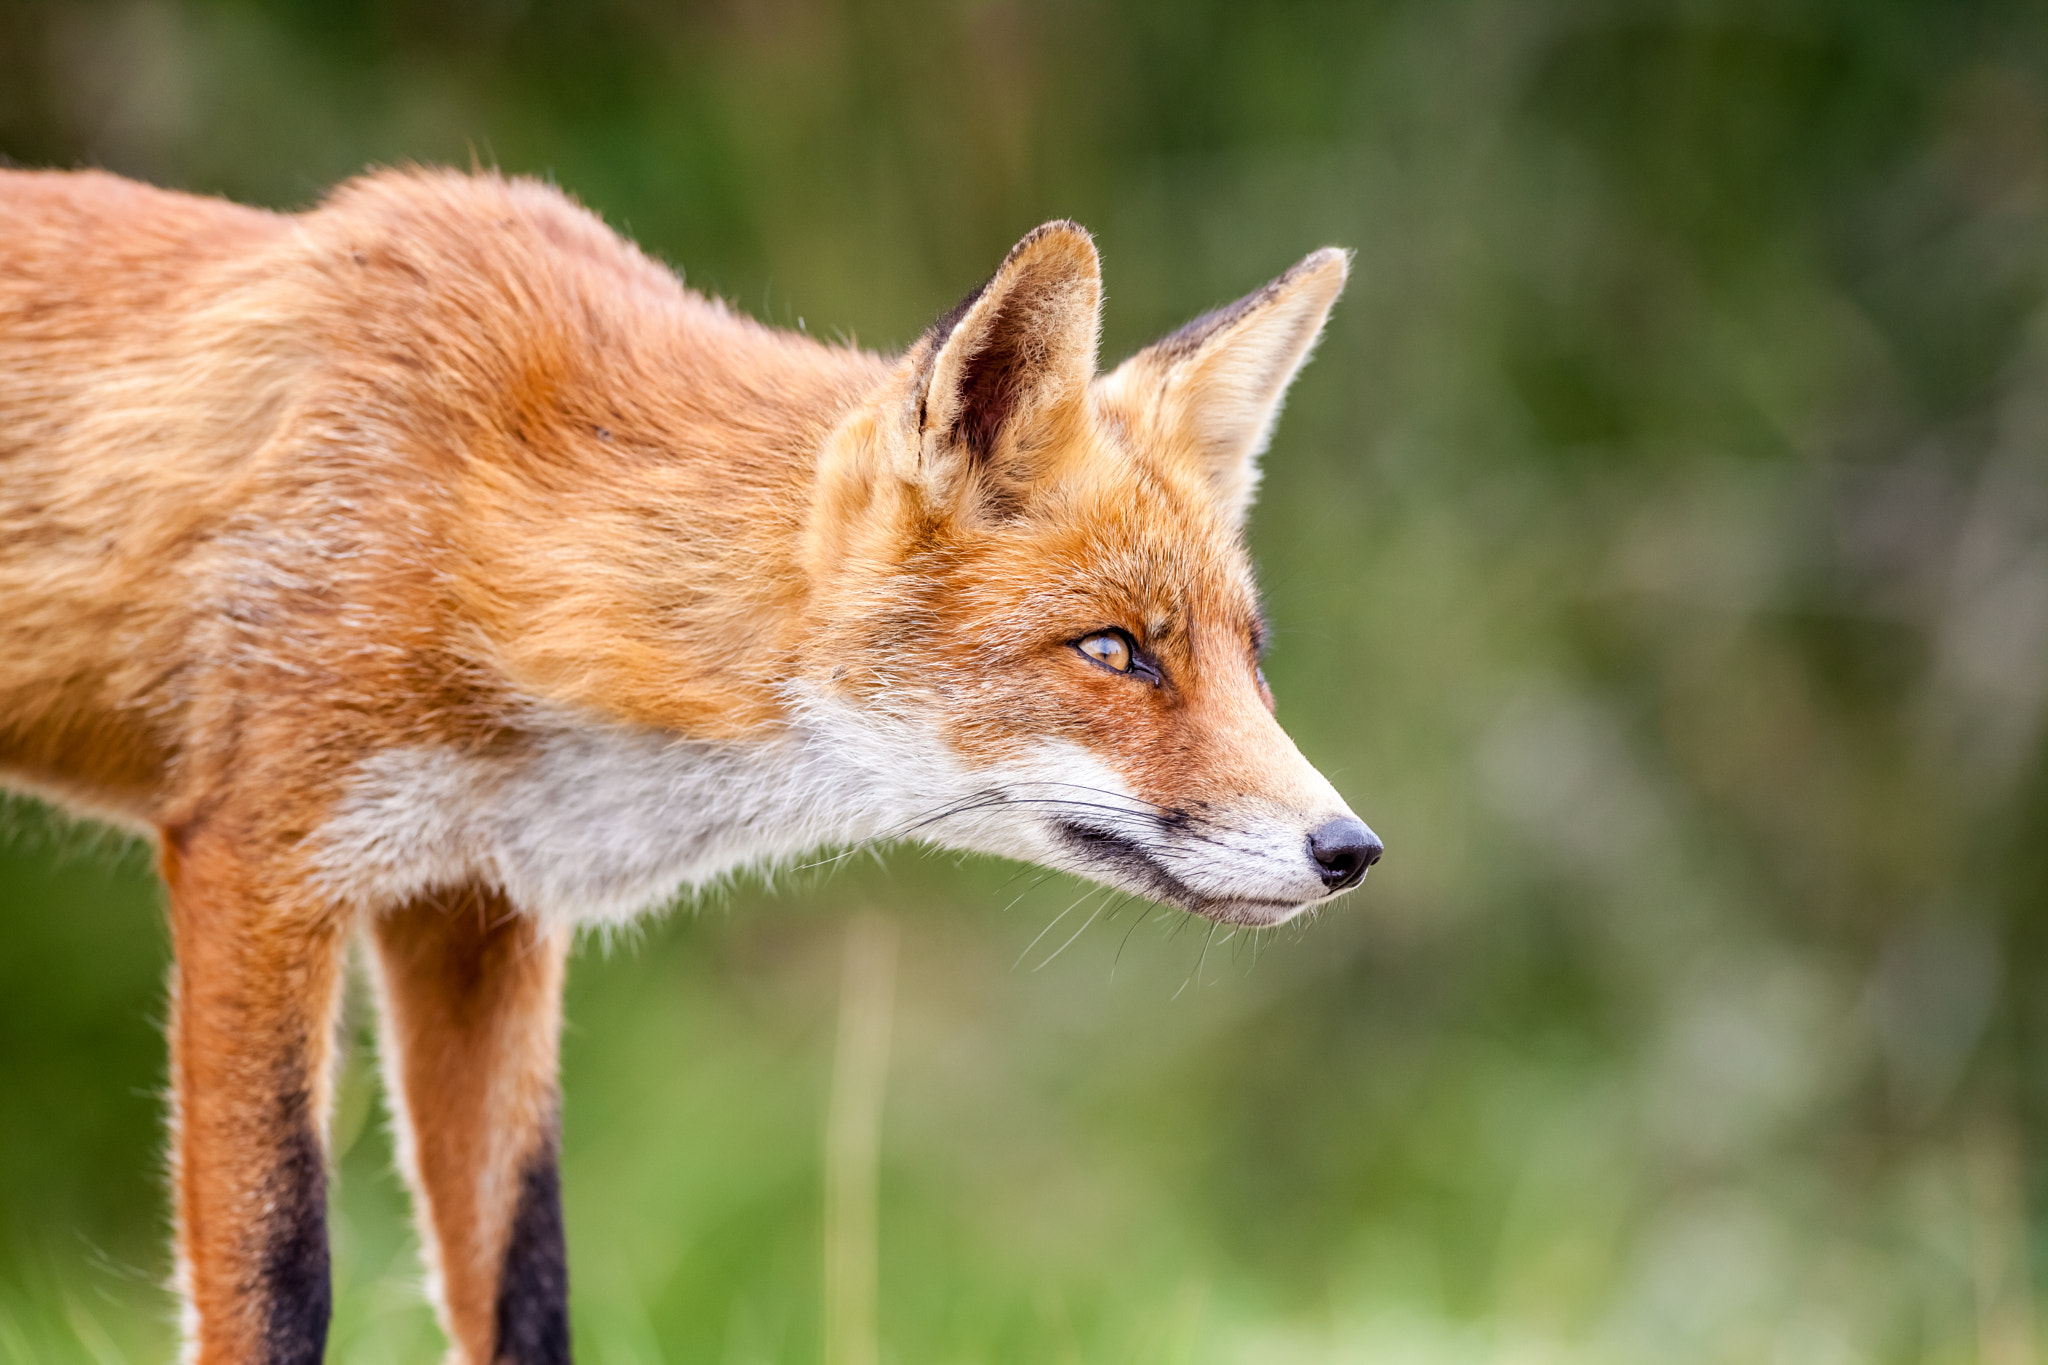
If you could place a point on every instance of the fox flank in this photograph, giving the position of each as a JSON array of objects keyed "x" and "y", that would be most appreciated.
[{"x": 433, "y": 567}]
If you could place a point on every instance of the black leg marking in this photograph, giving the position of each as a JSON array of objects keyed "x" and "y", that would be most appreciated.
[
  {"x": 297, "y": 1293},
  {"x": 533, "y": 1287}
]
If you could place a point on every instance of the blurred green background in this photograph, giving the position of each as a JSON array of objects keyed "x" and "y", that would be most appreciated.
[{"x": 1658, "y": 556}]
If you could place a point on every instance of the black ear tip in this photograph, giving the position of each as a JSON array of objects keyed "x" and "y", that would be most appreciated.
[
  {"x": 1057, "y": 227},
  {"x": 1077, "y": 237},
  {"x": 1060, "y": 233}
]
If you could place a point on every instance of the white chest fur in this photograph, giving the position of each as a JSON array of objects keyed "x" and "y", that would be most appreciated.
[{"x": 595, "y": 822}]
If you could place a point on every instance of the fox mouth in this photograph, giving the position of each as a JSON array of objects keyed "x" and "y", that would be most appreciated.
[{"x": 1124, "y": 861}]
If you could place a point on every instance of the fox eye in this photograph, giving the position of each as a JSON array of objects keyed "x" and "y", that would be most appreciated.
[{"x": 1110, "y": 648}]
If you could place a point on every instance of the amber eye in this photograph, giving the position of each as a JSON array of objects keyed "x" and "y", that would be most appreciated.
[{"x": 1110, "y": 648}]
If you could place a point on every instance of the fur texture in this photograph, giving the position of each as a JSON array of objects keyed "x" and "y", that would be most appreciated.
[{"x": 434, "y": 565}]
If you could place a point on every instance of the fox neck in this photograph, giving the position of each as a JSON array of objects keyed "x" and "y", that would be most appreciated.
[
  {"x": 667, "y": 586},
  {"x": 658, "y": 629}
]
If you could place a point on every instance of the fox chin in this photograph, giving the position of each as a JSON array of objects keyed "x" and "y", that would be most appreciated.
[{"x": 433, "y": 567}]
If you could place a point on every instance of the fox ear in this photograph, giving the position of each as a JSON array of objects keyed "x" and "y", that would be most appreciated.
[
  {"x": 1215, "y": 387},
  {"x": 1008, "y": 365}
]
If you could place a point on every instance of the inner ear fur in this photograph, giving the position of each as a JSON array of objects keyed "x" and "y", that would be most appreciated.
[
  {"x": 1215, "y": 387},
  {"x": 1009, "y": 365}
]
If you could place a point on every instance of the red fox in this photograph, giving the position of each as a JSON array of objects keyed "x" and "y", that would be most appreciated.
[{"x": 435, "y": 567}]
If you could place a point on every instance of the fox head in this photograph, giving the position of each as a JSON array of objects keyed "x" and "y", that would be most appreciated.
[{"x": 1032, "y": 578}]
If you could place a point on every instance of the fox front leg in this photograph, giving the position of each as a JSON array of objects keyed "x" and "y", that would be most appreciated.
[
  {"x": 470, "y": 994},
  {"x": 252, "y": 1042}
]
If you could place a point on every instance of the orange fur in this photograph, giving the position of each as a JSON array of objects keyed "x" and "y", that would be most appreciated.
[
  {"x": 434, "y": 561},
  {"x": 470, "y": 995}
]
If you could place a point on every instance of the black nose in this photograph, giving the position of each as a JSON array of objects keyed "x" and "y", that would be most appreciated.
[{"x": 1343, "y": 850}]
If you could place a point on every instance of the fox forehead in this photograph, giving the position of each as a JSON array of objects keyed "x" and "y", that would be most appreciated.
[{"x": 1117, "y": 539}]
